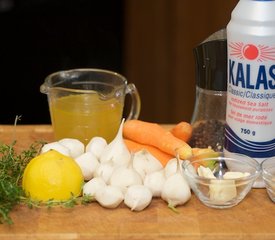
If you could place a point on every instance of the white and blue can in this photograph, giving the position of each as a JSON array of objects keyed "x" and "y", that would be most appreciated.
[{"x": 250, "y": 109}]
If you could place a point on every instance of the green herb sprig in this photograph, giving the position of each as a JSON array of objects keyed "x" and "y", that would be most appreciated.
[
  {"x": 70, "y": 203},
  {"x": 12, "y": 166}
]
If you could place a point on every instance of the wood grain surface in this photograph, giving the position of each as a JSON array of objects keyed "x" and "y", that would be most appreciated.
[{"x": 253, "y": 218}]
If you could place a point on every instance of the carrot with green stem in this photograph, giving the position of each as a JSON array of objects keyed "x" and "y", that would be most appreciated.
[
  {"x": 157, "y": 153},
  {"x": 155, "y": 135},
  {"x": 200, "y": 153}
]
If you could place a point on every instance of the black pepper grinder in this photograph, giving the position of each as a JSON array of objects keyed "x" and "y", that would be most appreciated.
[{"x": 209, "y": 113}]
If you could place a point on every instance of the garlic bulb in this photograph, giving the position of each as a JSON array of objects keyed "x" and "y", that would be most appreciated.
[{"x": 116, "y": 151}]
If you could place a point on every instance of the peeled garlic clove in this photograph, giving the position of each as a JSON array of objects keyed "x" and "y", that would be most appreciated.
[
  {"x": 92, "y": 186},
  {"x": 221, "y": 191},
  {"x": 74, "y": 145},
  {"x": 205, "y": 172},
  {"x": 155, "y": 181},
  {"x": 109, "y": 196},
  {"x": 235, "y": 175},
  {"x": 116, "y": 151},
  {"x": 88, "y": 164},
  {"x": 96, "y": 146},
  {"x": 137, "y": 197},
  {"x": 56, "y": 146}
]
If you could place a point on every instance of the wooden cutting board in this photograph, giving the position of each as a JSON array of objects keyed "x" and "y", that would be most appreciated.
[{"x": 254, "y": 218}]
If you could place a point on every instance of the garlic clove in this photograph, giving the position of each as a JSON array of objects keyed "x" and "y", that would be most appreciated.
[
  {"x": 96, "y": 146},
  {"x": 138, "y": 163},
  {"x": 137, "y": 197},
  {"x": 152, "y": 164},
  {"x": 221, "y": 191},
  {"x": 74, "y": 145},
  {"x": 56, "y": 146},
  {"x": 109, "y": 196},
  {"x": 116, "y": 151},
  {"x": 88, "y": 164},
  {"x": 171, "y": 167},
  {"x": 155, "y": 181},
  {"x": 235, "y": 175},
  {"x": 176, "y": 190},
  {"x": 92, "y": 186},
  {"x": 205, "y": 172},
  {"x": 104, "y": 170},
  {"x": 144, "y": 163},
  {"x": 124, "y": 177}
]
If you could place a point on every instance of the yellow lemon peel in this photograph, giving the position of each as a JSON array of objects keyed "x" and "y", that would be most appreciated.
[{"x": 52, "y": 175}]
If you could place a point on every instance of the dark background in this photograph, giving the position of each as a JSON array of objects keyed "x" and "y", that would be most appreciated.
[
  {"x": 39, "y": 37},
  {"x": 150, "y": 42}
]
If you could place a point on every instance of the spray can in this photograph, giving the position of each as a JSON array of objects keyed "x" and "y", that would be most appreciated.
[{"x": 250, "y": 109}]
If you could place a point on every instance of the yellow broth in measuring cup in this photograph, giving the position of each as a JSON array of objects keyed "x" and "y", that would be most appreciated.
[{"x": 84, "y": 116}]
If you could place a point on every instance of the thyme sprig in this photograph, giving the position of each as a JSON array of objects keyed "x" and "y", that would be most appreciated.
[
  {"x": 12, "y": 166},
  {"x": 70, "y": 203}
]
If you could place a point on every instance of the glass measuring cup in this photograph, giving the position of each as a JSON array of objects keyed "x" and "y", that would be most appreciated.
[{"x": 85, "y": 103}]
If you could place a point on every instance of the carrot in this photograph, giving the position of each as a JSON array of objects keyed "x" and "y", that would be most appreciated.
[
  {"x": 158, "y": 154},
  {"x": 155, "y": 135},
  {"x": 198, "y": 153},
  {"x": 182, "y": 130}
]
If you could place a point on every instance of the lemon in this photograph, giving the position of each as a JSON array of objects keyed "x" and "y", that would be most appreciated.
[{"x": 52, "y": 175}]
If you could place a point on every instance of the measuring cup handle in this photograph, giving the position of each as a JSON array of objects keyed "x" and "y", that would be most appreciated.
[{"x": 135, "y": 104}]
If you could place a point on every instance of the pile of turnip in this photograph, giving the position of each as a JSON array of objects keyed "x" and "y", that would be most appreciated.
[{"x": 114, "y": 175}]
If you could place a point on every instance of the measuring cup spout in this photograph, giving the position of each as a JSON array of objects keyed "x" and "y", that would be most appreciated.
[{"x": 44, "y": 88}]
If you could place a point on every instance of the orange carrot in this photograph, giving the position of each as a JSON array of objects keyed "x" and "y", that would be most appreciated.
[
  {"x": 158, "y": 154},
  {"x": 182, "y": 130},
  {"x": 198, "y": 153},
  {"x": 155, "y": 135}
]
